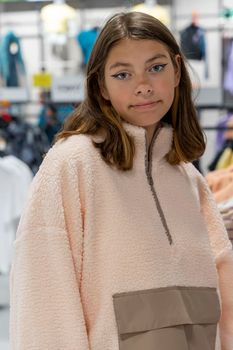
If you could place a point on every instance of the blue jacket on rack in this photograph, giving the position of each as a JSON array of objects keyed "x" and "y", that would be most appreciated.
[{"x": 11, "y": 62}]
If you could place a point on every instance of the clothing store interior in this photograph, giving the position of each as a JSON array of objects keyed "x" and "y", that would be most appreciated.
[{"x": 44, "y": 50}]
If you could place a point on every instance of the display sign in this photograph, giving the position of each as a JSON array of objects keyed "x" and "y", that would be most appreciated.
[
  {"x": 68, "y": 88},
  {"x": 42, "y": 80},
  {"x": 14, "y": 94}
]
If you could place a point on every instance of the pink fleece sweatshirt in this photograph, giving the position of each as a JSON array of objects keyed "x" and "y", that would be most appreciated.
[{"x": 109, "y": 260}]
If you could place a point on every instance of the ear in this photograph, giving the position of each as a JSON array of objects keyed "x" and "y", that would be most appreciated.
[
  {"x": 104, "y": 91},
  {"x": 177, "y": 69}
]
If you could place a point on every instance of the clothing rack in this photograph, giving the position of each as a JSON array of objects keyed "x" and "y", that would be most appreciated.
[
  {"x": 214, "y": 128},
  {"x": 214, "y": 106}
]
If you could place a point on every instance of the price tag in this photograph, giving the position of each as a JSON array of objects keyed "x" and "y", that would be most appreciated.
[
  {"x": 42, "y": 80},
  {"x": 68, "y": 88}
]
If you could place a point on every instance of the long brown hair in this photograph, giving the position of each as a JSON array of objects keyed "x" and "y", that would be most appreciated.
[{"x": 96, "y": 113}]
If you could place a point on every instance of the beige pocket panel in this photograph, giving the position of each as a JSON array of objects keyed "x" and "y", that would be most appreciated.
[{"x": 173, "y": 318}]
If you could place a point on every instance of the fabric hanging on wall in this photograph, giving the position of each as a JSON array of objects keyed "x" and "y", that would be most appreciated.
[
  {"x": 228, "y": 74},
  {"x": 48, "y": 121},
  {"x": 224, "y": 143},
  {"x": 220, "y": 182},
  {"x": 86, "y": 40},
  {"x": 12, "y": 67},
  {"x": 226, "y": 210},
  {"x": 193, "y": 44},
  {"x": 226, "y": 158},
  {"x": 25, "y": 141},
  {"x": 220, "y": 139}
]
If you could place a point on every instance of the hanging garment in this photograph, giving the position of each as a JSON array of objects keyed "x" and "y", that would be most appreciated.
[
  {"x": 27, "y": 142},
  {"x": 12, "y": 66},
  {"x": 224, "y": 194},
  {"x": 193, "y": 44},
  {"x": 5, "y": 119},
  {"x": 86, "y": 40},
  {"x": 226, "y": 158},
  {"x": 221, "y": 184},
  {"x": 219, "y": 179},
  {"x": 228, "y": 76},
  {"x": 223, "y": 158},
  {"x": 213, "y": 174},
  {"x": 220, "y": 139},
  {"x": 212, "y": 165},
  {"x": 51, "y": 124},
  {"x": 226, "y": 210},
  {"x": 9, "y": 215},
  {"x": 15, "y": 179}
]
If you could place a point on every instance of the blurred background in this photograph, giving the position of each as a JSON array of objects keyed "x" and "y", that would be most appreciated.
[{"x": 44, "y": 49}]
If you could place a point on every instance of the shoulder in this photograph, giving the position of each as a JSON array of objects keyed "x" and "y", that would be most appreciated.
[
  {"x": 192, "y": 172},
  {"x": 74, "y": 149},
  {"x": 69, "y": 159},
  {"x": 74, "y": 146},
  {"x": 69, "y": 163},
  {"x": 197, "y": 180}
]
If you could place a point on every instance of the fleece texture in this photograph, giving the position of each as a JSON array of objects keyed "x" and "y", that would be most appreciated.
[{"x": 90, "y": 231}]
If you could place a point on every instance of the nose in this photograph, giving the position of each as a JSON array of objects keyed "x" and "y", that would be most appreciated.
[{"x": 143, "y": 89}]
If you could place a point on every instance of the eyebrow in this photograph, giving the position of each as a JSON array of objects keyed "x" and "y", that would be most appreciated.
[{"x": 124, "y": 64}]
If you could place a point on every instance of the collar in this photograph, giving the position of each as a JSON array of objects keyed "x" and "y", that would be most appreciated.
[{"x": 161, "y": 144}]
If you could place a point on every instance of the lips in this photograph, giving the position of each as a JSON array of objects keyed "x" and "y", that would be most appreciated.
[{"x": 145, "y": 104}]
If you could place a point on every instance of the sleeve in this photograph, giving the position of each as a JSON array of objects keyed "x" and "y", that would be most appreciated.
[
  {"x": 223, "y": 254},
  {"x": 46, "y": 305}
]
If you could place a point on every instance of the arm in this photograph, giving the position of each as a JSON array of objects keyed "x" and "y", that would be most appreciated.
[
  {"x": 46, "y": 306},
  {"x": 223, "y": 254}
]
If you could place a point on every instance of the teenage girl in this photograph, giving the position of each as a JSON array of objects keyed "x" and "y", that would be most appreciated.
[{"x": 121, "y": 245}]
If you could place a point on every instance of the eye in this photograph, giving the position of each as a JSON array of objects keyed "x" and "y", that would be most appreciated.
[
  {"x": 121, "y": 76},
  {"x": 158, "y": 67}
]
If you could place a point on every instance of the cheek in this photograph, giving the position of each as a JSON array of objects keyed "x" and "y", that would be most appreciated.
[
  {"x": 167, "y": 89},
  {"x": 119, "y": 102},
  {"x": 118, "y": 96},
  {"x": 171, "y": 96}
]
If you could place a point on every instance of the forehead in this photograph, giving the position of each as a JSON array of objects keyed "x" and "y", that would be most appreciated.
[{"x": 140, "y": 49}]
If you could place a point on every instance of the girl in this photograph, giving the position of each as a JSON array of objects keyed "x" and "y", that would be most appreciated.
[{"x": 121, "y": 245}]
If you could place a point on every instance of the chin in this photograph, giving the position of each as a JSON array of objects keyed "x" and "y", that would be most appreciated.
[{"x": 148, "y": 124}]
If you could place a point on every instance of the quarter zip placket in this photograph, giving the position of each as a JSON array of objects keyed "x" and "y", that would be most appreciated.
[{"x": 148, "y": 166}]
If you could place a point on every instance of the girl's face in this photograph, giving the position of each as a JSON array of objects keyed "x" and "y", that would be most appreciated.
[{"x": 140, "y": 80}]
